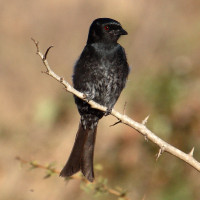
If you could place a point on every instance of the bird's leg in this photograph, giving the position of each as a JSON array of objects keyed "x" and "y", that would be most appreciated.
[
  {"x": 89, "y": 95},
  {"x": 108, "y": 111}
]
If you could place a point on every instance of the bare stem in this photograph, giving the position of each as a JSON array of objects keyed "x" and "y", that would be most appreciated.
[{"x": 104, "y": 187}]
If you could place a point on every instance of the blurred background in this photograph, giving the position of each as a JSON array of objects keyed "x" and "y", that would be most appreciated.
[{"x": 38, "y": 119}]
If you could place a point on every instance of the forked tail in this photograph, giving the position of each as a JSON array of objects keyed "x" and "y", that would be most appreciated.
[{"x": 81, "y": 157}]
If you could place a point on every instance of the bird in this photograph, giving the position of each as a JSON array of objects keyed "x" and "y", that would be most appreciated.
[{"x": 100, "y": 73}]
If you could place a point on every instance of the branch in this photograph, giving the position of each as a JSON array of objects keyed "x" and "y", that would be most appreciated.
[
  {"x": 140, "y": 127},
  {"x": 98, "y": 185}
]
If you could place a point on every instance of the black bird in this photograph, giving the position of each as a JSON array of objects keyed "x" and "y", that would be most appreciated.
[{"x": 100, "y": 73}]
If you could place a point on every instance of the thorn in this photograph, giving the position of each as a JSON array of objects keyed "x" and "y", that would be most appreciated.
[
  {"x": 47, "y": 51},
  {"x": 146, "y": 138},
  {"x": 36, "y": 42},
  {"x": 61, "y": 79},
  {"x": 161, "y": 151},
  {"x": 125, "y": 104},
  {"x": 145, "y": 120},
  {"x": 191, "y": 152},
  {"x": 116, "y": 123},
  {"x": 45, "y": 72}
]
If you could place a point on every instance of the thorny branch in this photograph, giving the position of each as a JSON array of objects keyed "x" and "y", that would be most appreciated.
[{"x": 140, "y": 127}]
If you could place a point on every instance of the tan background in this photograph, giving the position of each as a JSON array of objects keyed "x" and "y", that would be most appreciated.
[{"x": 38, "y": 119}]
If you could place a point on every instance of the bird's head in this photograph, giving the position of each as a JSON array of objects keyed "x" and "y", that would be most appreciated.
[{"x": 105, "y": 30}]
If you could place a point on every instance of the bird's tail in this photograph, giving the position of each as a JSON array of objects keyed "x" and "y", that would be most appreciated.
[{"x": 81, "y": 157}]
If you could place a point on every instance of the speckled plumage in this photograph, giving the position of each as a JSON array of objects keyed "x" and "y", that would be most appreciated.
[{"x": 100, "y": 73}]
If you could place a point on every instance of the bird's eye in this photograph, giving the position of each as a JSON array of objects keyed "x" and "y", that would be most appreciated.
[{"x": 106, "y": 28}]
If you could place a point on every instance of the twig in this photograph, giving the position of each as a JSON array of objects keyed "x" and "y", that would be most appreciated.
[
  {"x": 52, "y": 170},
  {"x": 140, "y": 127},
  {"x": 47, "y": 51},
  {"x": 37, "y": 165},
  {"x": 118, "y": 122}
]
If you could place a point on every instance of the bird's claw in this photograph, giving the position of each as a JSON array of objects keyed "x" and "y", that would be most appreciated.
[
  {"x": 108, "y": 112},
  {"x": 88, "y": 96}
]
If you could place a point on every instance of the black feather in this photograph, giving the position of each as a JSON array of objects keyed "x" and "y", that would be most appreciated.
[{"x": 100, "y": 73}]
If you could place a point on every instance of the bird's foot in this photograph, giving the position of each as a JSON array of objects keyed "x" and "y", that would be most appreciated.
[
  {"x": 88, "y": 96},
  {"x": 108, "y": 112}
]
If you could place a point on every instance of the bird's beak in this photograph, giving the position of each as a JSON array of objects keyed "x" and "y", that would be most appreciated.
[{"x": 123, "y": 32}]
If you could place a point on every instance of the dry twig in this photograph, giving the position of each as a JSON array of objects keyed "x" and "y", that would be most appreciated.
[
  {"x": 97, "y": 185},
  {"x": 140, "y": 127}
]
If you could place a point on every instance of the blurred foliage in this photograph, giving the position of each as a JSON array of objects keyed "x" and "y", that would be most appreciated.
[
  {"x": 99, "y": 187},
  {"x": 51, "y": 112}
]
